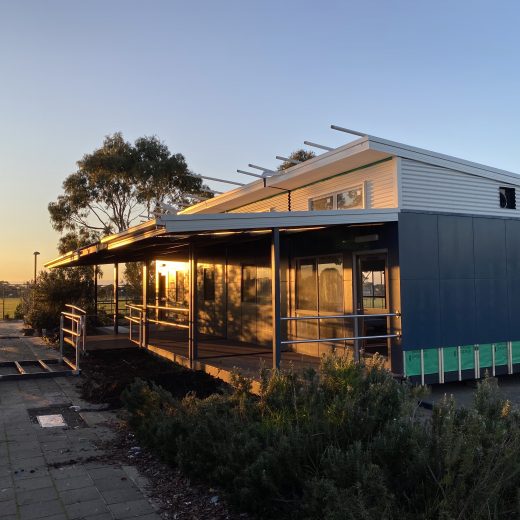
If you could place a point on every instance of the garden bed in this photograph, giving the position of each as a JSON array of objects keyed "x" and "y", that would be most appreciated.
[{"x": 106, "y": 373}]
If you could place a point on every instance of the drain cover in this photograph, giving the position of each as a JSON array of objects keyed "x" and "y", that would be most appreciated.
[
  {"x": 51, "y": 421},
  {"x": 57, "y": 415}
]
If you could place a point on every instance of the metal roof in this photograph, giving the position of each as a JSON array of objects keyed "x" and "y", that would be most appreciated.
[
  {"x": 359, "y": 153},
  {"x": 171, "y": 233}
]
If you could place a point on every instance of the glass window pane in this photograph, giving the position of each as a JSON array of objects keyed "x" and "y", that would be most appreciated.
[
  {"x": 249, "y": 283},
  {"x": 324, "y": 203},
  {"x": 373, "y": 282},
  {"x": 209, "y": 284},
  {"x": 330, "y": 275},
  {"x": 306, "y": 293},
  {"x": 263, "y": 285},
  {"x": 350, "y": 198}
]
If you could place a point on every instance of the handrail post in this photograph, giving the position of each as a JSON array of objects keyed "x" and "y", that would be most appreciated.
[
  {"x": 356, "y": 341},
  {"x": 83, "y": 347},
  {"x": 61, "y": 337}
]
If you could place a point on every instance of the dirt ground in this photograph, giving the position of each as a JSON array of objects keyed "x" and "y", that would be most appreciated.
[{"x": 106, "y": 373}]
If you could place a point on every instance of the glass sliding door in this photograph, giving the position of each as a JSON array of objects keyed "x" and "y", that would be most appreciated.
[{"x": 319, "y": 292}]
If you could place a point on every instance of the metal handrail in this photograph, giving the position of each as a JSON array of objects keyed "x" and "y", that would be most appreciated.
[
  {"x": 74, "y": 336},
  {"x": 353, "y": 338},
  {"x": 356, "y": 338},
  {"x": 341, "y": 316}
]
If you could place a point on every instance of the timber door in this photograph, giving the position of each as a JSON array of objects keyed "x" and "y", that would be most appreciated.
[{"x": 371, "y": 298}]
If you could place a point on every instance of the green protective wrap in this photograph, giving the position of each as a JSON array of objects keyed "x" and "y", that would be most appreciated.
[
  {"x": 500, "y": 354},
  {"x": 412, "y": 360},
  {"x": 451, "y": 359},
  {"x": 431, "y": 361},
  {"x": 467, "y": 357},
  {"x": 486, "y": 355},
  {"x": 516, "y": 351}
]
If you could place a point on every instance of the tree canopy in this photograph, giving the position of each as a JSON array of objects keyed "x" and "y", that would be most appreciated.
[
  {"x": 300, "y": 155},
  {"x": 119, "y": 183}
]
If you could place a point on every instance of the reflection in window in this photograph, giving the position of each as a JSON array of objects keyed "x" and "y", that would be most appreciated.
[
  {"x": 324, "y": 203},
  {"x": 249, "y": 283},
  {"x": 256, "y": 284},
  {"x": 330, "y": 290},
  {"x": 208, "y": 281},
  {"x": 306, "y": 289},
  {"x": 350, "y": 199},
  {"x": 319, "y": 284},
  {"x": 373, "y": 280}
]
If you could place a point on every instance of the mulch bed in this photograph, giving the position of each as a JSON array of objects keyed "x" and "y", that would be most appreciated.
[
  {"x": 174, "y": 495},
  {"x": 106, "y": 373}
]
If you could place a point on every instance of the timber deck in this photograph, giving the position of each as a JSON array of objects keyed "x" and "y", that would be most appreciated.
[{"x": 218, "y": 357}]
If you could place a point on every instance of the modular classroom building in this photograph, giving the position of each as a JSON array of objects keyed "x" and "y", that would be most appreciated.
[{"x": 374, "y": 246}]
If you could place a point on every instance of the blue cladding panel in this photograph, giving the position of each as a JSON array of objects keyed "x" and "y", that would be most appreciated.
[
  {"x": 490, "y": 247},
  {"x": 457, "y": 312},
  {"x": 513, "y": 286},
  {"x": 418, "y": 246},
  {"x": 492, "y": 323},
  {"x": 513, "y": 248},
  {"x": 456, "y": 258},
  {"x": 420, "y": 310},
  {"x": 468, "y": 293}
]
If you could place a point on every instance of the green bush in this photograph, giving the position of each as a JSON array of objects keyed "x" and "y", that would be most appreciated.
[{"x": 347, "y": 442}]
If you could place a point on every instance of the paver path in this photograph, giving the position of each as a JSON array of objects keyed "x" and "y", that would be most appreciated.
[{"x": 59, "y": 473}]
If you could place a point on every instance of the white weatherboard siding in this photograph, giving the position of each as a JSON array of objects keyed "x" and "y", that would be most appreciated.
[
  {"x": 433, "y": 188},
  {"x": 380, "y": 183}
]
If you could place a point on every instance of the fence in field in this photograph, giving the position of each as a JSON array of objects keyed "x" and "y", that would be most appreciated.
[{"x": 11, "y": 295}]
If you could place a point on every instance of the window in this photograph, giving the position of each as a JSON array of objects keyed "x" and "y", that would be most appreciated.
[
  {"x": 209, "y": 284},
  {"x": 507, "y": 197},
  {"x": 256, "y": 284},
  {"x": 249, "y": 283},
  {"x": 373, "y": 280},
  {"x": 351, "y": 198},
  {"x": 180, "y": 286},
  {"x": 319, "y": 284}
]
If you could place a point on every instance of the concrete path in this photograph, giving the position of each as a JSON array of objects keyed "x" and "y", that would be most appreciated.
[{"x": 60, "y": 473}]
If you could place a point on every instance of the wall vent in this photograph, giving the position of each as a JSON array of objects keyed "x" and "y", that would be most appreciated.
[{"x": 507, "y": 197}]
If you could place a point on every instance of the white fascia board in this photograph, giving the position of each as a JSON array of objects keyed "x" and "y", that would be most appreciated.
[
  {"x": 444, "y": 161},
  {"x": 207, "y": 222}
]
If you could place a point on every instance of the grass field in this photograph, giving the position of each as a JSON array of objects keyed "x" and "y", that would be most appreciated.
[{"x": 8, "y": 306}]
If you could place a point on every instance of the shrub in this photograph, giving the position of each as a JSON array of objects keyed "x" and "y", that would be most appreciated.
[{"x": 346, "y": 442}]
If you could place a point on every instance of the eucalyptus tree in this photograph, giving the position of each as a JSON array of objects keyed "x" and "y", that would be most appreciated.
[
  {"x": 300, "y": 155},
  {"x": 121, "y": 183}
]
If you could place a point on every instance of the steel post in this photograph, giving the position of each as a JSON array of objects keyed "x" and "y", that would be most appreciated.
[
  {"x": 116, "y": 297},
  {"x": 193, "y": 310},
  {"x": 276, "y": 297},
  {"x": 61, "y": 337}
]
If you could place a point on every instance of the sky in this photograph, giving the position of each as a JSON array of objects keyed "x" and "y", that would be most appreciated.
[{"x": 227, "y": 83}]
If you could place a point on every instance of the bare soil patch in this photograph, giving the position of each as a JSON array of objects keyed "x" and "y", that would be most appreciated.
[{"x": 106, "y": 373}]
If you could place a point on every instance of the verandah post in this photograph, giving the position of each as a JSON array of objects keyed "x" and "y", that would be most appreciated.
[
  {"x": 193, "y": 327},
  {"x": 116, "y": 297},
  {"x": 96, "y": 294},
  {"x": 275, "y": 297},
  {"x": 144, "y": 313}
]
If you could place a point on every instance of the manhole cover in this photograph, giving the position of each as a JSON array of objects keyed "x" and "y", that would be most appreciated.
[{"x": 51, "y": 421}]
